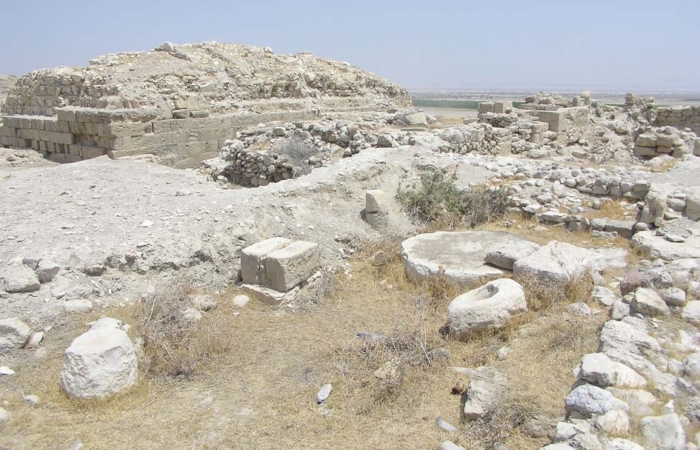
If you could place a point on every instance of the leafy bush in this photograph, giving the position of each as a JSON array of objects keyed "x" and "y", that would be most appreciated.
[{"x": 438, "y": 198}]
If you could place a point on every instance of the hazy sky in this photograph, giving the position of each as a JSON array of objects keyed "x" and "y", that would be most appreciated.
[{"x": 613, "y": 44}]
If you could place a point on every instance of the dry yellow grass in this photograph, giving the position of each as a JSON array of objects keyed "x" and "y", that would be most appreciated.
[
  {"x": 257, "y": 373},
  {"x": 617, "y": 209}
]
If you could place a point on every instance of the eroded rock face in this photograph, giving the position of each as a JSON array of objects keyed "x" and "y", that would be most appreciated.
[
  {"x": 98, "y": 364},
  {"x": 488, "y": 307}
]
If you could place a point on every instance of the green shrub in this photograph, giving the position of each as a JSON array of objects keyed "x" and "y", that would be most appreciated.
[{"x": 437, "y": 198}]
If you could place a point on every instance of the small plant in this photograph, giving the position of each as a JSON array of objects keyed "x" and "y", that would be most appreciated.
[
  {"x": 296, "y": 151},
  {"x": 438, "y": 199}
]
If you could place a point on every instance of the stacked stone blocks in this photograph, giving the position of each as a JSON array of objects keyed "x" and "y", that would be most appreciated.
[{"x": 78, "y": 133}]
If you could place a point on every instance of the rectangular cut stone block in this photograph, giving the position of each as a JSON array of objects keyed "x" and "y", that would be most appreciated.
[
  {"x": 287, "y": 267},
  {"x": 501, "y": 107},
  {"x": 252, "y": 258},
  {"x": 555, "y": 119},
  {"x": 644, "y": 151},
  {"x": 486, "y": 107},
  {"x": 375, "y": 201}
]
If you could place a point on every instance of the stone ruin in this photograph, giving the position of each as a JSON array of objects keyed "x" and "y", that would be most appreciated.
[{"x": 179, "y": 102}]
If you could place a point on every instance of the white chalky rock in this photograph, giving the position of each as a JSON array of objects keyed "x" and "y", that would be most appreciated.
[
  {"x": 449, "y": 445},
  {"x": 46, "y": 270},
  {"x": 558, "y": 262},
  {"x": 488, "y": 307},
  {"x": 615, "y": 423},
  {"x": 485, "y": 389},
  {"x": 599, "y": 369},
  {"x": 13, "y": 333},
  {"x": 4, "y": 415},
  {"x": 648, "y": 303},
  {"x": 586, "y": 400},
  {"x": 663, "y": 432},
  {"x": 240, "y": 300},
  {"x": 691, "y": 366},
  {"x": 19, "y": 278},
  {"x": 324, "y": 393},
  {"x": 603, "y": 295},
  {"x": 99, "y": 363},
  {"x": 691, "y": 312}
]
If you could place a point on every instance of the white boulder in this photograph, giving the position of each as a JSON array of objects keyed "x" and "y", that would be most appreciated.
[
  {"x": 603, "y": 295},
  {"x": 98, "y": 364},
  {"x": 484, "y": 392},
  {"x": 599, "y": 369},
  {"x": 648, "y": 303},
  {"x": 587, "y": 400},
  {"x": 691, "y": 312},
  {"x": 488, "y": 307},
  {"x": 13, "y": 333},
  {"x": 559, "y": 263},
  {"x": 663, "y": 432},
  {"x": 18, "y": 278},
  {"x": 46, "y": 270}
]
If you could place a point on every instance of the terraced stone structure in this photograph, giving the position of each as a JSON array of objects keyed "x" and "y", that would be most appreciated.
[{"x": 179, "y": 102}]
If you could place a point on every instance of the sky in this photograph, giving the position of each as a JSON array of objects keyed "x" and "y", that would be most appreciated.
[{"x": 636, "y": 45}]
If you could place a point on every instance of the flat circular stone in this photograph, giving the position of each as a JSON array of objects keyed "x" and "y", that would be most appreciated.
[{"x": 458, "y": 255}]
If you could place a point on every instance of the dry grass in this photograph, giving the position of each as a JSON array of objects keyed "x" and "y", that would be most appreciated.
[
  {"x": 249, "y": 380},
  {"x": 536, "y": 232},
  {"x": 617, "y": 209}
]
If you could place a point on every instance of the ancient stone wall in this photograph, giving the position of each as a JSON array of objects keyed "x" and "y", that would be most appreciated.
[
  {"x": 180, "y": 102},
  {"x": 77, "y": 133},
  {"x": 679, "y": 117}
]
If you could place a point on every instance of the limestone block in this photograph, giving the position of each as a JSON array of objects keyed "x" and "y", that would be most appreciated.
[
  {"x": 486, "y": 107},
  {"x": 647, "y": 140},
  {"x": 501, "y": 107},
  {"x": 555, "y": 119},
  {"x": 375, "y": 201},
  {"x": 252, "y": 258},
  {"x": 288, "y": 266}
]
